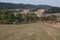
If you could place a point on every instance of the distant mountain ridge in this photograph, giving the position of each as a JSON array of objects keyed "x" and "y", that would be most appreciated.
[
  {"x": 21, "y": 6},
  {"x": 48, "y": 9}
]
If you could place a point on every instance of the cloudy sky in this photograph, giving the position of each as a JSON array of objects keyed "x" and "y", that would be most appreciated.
[{"x": 35, "y": 2}]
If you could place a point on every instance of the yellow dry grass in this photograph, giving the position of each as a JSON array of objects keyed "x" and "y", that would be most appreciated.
[{"x": 34, "y": 31}]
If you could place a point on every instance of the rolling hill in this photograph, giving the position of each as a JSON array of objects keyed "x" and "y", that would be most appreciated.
[
  {"x": 48, "y": 9},
  {"x": 21, "y": 6}
]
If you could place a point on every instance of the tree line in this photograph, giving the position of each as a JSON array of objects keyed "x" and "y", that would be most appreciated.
[{"x": 9, "y": 17}]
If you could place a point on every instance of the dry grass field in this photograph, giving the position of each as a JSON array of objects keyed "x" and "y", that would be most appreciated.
[{"x": 34, "y": 31}]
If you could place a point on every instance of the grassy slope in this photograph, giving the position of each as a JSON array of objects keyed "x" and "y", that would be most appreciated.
[{"x": 36, "y": 31}]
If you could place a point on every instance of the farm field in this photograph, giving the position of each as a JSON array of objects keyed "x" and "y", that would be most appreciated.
[{"x": 33, "y": 31}]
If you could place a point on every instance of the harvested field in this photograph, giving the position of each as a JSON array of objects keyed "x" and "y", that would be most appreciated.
[{"x": 34, "y": 31}]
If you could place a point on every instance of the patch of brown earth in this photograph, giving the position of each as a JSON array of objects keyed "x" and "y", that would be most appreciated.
[
  {"x": 50, "y": 31},
  {"x": 56, "y": 25}
]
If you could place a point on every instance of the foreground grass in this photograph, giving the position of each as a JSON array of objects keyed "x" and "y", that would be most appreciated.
[{"x": 34, "y": 31}]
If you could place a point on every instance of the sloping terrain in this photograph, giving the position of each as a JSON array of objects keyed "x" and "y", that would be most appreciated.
[
  {"x": 21, "y": 6},
  {"x": 34, "y": 31}
]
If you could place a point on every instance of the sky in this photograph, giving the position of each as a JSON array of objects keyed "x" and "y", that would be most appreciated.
[{"x": 35, "y": 2}]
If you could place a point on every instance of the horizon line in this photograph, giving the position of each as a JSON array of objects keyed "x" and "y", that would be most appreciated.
[{"x": 30, "y": 4}]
